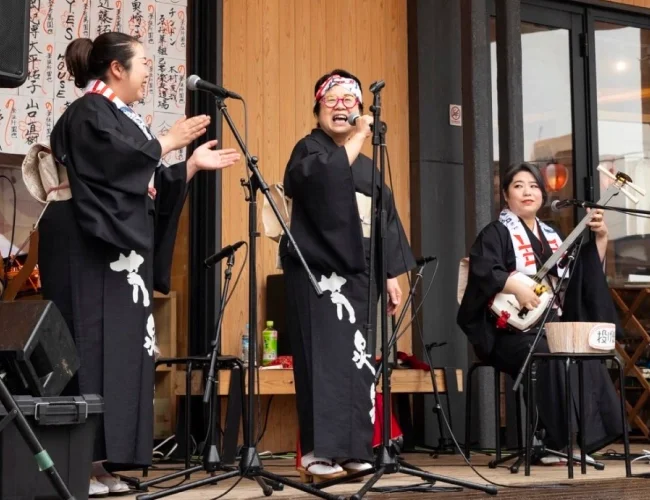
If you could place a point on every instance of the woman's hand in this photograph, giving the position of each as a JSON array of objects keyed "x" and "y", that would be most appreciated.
[
  {"x": 394, "y": 295},
  {"x": 362, "y": 126},
  {"x": 184, "y": 131},
  {"x": 597, "y": 223},
  {"x": 598, "y": 226},
  {"x": 357, "y": 138},
  {"x": 205, "y": 157},
  {"x": 524, "y": 294}
]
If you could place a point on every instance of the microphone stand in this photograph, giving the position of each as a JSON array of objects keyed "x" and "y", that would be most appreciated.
[
  {"x": 540, "y": 331},
  {"x": 211, "y": 459},
  {"x": 386, "y": 461},
  {"x": 250, "y": 465},
  {"x": 570, "y": 259}
]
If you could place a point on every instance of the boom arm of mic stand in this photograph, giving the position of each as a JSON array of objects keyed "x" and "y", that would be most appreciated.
[
  {"x": 251, "y": 162},
  {"x": 631, "y": 211}
]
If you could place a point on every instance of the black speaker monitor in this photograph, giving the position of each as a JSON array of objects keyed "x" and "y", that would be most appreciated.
[
  {"x": 37, "y": 352},
  {"x": 14, "y": 42}
]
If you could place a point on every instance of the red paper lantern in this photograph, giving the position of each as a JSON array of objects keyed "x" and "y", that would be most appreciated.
[{"x": 556, "y": 175}]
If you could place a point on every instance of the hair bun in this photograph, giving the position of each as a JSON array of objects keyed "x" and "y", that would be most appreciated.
[{"x": 77, "y": 59}]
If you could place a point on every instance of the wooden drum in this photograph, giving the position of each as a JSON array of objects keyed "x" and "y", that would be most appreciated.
[{"x": 585, "y": 338}]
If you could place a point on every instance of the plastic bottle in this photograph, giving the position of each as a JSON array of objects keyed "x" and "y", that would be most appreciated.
[
  {"x": 270, "y": 340},
  {"x": 245, "y": 342}
]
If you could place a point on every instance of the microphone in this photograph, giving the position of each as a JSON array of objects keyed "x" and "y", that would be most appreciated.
[
  {"x": 423, "y": 260},
  {"x": 558, "y": 205},
  {"x": 194, "y": 82},
  {"x": 352, "y": 120},
  {"x": 224, "y": 252}
]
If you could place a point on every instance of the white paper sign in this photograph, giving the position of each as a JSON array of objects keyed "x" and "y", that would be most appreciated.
[
  {"x": 140, "y": 22},
  {"x": 40, "y": 77},
  {"x": 171, "y": 31},
  {"x": 603, "y": 337},
  {"x": 456, "y": 115},
  {"x": 9, "y": 138},
  {"x": 170, "y": 85},
  {"x": 71, "y": 20},
  {"x": 162, "y": 122},
  {"x": 106, "y": 16},
  {"x": 65, "y": 91}
]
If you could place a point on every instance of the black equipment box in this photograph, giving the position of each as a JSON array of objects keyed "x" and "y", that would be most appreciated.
[{"x": 65, "y": 427}]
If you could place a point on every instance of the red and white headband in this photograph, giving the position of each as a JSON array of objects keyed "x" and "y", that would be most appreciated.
[{"x": 348, "y": 84}]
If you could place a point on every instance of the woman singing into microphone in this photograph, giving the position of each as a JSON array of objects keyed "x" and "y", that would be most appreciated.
[{"x": 330, "y": 183}]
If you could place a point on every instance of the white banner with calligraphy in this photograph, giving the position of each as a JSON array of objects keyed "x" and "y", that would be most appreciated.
[
  {"x": 28, "y": 113},
  {"x": 106, "y": 16},
  {"x": 71, "y": 20}
]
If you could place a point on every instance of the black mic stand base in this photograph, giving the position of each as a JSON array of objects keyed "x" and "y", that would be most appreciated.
[{"x": 388, "y": 462}]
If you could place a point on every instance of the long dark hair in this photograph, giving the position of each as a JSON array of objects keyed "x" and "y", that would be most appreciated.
[
  {"x": 321, "y": 80},
  {"x": 87, "y": 59},
  {"x": 524, "y": 167}
]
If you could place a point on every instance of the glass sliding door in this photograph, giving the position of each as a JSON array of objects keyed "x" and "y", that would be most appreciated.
[
  {"x": 553, "y": 105},
  {"x": 622, "y": 100}
]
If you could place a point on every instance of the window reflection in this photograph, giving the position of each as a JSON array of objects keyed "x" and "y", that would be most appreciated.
[
  {"x": 547, "y": 110},
  {"x": 623, "y": 95}
]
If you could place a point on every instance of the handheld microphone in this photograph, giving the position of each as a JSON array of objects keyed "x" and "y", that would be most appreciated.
[
  {"x": 194, "y": 82},
  {"x": 224, "y": 252},
  {"x": 423, "y": 260},
  {"x": 352, "y": 120}
]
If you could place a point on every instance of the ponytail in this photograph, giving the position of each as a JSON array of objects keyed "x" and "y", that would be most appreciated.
[{"x": 77, "y": 59}]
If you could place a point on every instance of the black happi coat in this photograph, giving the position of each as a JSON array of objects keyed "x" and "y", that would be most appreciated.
[
  {"x": 333, "y": 361},
  {"x": 102, "y": 254},
  {"x": 587, "y": 298}
]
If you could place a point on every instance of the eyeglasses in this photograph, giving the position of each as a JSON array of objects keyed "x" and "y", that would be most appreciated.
[{"x": 348, "y": 100}]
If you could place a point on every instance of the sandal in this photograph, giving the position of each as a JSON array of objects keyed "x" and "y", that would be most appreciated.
[
  {"x": 97, "y": 489},
  {"x": 316, "y": 469},
  {"x": 115, "y": 485},
  {"x": 353, "y": 466}
]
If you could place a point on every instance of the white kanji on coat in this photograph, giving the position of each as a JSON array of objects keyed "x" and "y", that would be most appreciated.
[
  {"x": 131, "y": 264},
  {"x": 333, "y": 284},
  {"x": 360, "y": 357},
  {"x": 150, "y": 338},
  {"x": 372, "y": 400}
]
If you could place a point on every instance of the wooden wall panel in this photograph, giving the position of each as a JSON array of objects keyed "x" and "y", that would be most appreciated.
[
  {"x": 180, "y": 280},
  {"x": 637, "y": 3},
  {"x": 274, "y": 51}
]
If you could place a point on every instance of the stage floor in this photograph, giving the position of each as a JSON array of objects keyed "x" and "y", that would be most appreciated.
[{"x": 544, "y": 481}]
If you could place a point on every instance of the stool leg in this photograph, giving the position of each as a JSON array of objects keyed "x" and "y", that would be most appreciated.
[
  {"x": 530, "y": 382},
  {"x": 569, "y": 414},
  {"x": 581, "y": 428},
  {"x": 188, "y": 415},
  {"x": 626, "y": 437},
  {"x": 518, "y": 410},
  {"x": 468, "y": 411},
  {"x": 497, "y": 412}
]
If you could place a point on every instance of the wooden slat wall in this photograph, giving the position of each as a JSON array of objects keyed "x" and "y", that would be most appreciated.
[
  {"x": 274, "y": 51},
  {"x": 180, "y": 280},
  {"x": 637, "y": 3}
]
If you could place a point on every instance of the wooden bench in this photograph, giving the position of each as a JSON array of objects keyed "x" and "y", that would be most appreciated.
[{"x": 280, "y": 382}]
